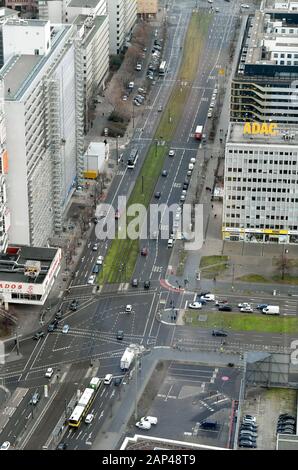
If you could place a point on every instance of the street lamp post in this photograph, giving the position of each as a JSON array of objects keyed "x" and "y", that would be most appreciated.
[
  {"x": 133, "y": 116},
  {"x": 117, "y": 149}
]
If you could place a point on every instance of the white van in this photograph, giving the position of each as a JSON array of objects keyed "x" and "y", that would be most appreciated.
[
  {"x": 271, "y": 310},
  {"x": 170, "y": 243},
  {"x": 191, "y": 166},
  {"x": 108, "y": 379}
]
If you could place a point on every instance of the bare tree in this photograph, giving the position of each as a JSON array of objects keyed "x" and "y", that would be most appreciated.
[{"x": 284, "y": 265}]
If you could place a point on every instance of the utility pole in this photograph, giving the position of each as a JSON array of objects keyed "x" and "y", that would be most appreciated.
[
  {"x": 156, "y": 142},
  {"x": 233, "y": 266},
  {"x": 142, "y": 184},
  {"x": 133, "y": 116}
]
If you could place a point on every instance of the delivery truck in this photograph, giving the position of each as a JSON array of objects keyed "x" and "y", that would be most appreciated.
[
  {"x": 199, "y": 132},
  {"x": 271, "y": 310},
  {"x": 127, "y": 359}
]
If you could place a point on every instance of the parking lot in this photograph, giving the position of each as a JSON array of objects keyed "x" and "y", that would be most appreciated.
[
  {"x": 186, "y": 394},
  {"x": 266, "y": 405}
]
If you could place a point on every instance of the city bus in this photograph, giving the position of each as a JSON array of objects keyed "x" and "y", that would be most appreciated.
[
  {"x": 84, "y": 403},
  {"x": 162, "y": 68},
  {"x": 133, "y": 158}
]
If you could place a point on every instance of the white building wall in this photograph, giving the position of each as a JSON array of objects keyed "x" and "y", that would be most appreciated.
[
  {"x": 19, "y": 37},
  {"x": 116, "y": 12},
  {"x": 17, "y": 189},
  {"x": 130, "y": 15},
  {"x": 73, "y": 11}
]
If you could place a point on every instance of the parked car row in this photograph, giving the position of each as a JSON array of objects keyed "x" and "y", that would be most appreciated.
[
  {"x": 146, "y": 422},
  {"x": 248, "y": 432},
  {"x": 286, "y": 424}
]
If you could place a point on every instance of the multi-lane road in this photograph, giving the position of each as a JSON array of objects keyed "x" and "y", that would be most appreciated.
[{"x": 91, "y": 347}]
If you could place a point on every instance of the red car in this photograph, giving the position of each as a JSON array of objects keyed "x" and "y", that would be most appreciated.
[
  {"x": 144, "y": 251},
  {"x": 117, "y": 214}
]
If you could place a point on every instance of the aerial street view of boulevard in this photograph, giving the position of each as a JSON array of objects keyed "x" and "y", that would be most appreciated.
[{"x": 149, "y": 226}]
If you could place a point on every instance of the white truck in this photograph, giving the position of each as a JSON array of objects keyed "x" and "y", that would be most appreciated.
[
  {"x": 127, "y": 359},
  {"x": 271, "y": 310}
]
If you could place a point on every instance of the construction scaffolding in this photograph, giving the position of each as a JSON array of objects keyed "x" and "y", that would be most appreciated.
[
  {"x": 53, "y": 144},
  {"x": 79, "y": 84}
]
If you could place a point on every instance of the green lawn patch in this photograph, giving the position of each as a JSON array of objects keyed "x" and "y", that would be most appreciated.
[
  {"x": 122, "y": 255},
  {"x": 245, "y": 322},
  {"x": 286, "y": 280},
  {"x": 253, "y": 278},
  {"x": 210, "y": 260},
  {"x": 182, "y": 259}
]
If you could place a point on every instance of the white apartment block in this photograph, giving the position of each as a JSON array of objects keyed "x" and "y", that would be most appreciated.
[
  {"x": 93, "y": 34},
  {"x": 261, "y": 186},
  {"x": 5, "y": 14},
  {"x": 32, "y": 37},
  {"x": 44, "y": 125},
  {"x": 122, "y": 18},
  {"x": 65, "y": 11},
  {"x": 4, "y": 210}
]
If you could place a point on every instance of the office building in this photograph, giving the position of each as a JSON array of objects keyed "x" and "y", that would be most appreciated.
[
  {"x": 4, "y": 209},
  {"x": 22, "y": 6},
  {"x": 65, "y": 11},
  {"x": 265, "y": 84},
  {"x": 44, "y": 124},
  {"x": 260, "y": 180},
  {"x": 5, "y": 14}
]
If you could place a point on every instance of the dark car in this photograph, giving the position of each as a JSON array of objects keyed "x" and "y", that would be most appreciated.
[
  {"x": 219, "y": 333},
  {"x": 247, "y": 443},
  {"x": 53, "y": 326},
  {"x": 147, "y": 285},
  {"x": 208, "y": 424},
  {"x": 261, "y": 306},
  {"x": 38, "y": 335},
  {"x": 74, "y": 304},
  {"x": 164, "y": 173},
  {"x": 62, "y": 446},
  {"x": 120, "y": 334},
  {"x": 59, "y": 314},
  {"x": 135, "y": 282},
  {"x": 225, "y": 308},
  {"x": 157, "y": 195},
  {"x": 144, "y": 251},
  {"x": 117, "y": 381},
  {"x": 185, "y": 186}
]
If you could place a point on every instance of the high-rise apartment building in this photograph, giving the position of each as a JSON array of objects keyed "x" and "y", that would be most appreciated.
[
  {"x": 5, "y": 14},
  {"x": 44, "y": 123},
  {"x": 4, "y": 209},
  {"x": 65, "y": 11},
  {"x": 122, "y": 18}
]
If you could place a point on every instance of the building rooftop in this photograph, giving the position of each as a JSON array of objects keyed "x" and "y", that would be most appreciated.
[
  {"x": 7, "y": 12},
  {"x": 83, "y": 3},
  {"x": 29, "y": 22},
  {"x": 91, "y": 26},
  {"x": 287, "y": 442},
  {"x": 19, "y": 71},
  {"x": 12, "y": 263},
  {"x": 282, "y": 6},
  {"x": 139, "y": 442},
  {"x": 285, "y": 135}
]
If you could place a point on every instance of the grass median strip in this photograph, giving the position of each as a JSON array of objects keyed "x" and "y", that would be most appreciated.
[
  {"x": 122, "y": 255},
  {"x": 243, "y": 322}
]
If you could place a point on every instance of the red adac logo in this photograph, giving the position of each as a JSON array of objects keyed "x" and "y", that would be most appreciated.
[
  {"x": 11, "y": 286},
  {"x": 30, "y": 289}
]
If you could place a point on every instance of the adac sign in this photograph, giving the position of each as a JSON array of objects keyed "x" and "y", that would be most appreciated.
[{"x": 262, "y": 128}]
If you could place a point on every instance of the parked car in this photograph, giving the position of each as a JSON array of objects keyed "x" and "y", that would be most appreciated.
[
  {"x": 171, "y": 153},
  {"x": 128, "y": 308},
  {"x": 147, "y": 285},
  {"x": 5, "y": 445},
  {"x": 261, "y": 306},
  {"x": 219, "y": 333},
  {"x": 38, "y": 335},
  {"x": 53, "y": 326},
  {"x": 95, "y": 247},
  {"x": 195, "y": 305},
  {"x": 143, "y": 425},
  {"x": 135, "y": 282},
  {"x": 247, "y": 443},
  {"x": 131, "y": 85},
  {"x": 74, "y": 304},
  {"x": 99, "y": 260},
  {"x": 157, "y": 195},
  {"x": 249, "y": 419},
  {"x": 62, "y": 446},
  {"x": 65, "y": 329},
  {"x": 243, "y": 305},
  {"x": 49, "y": 372},
  {"x": 149, "y": 419},
  {"x": 124, "y": 98}
]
